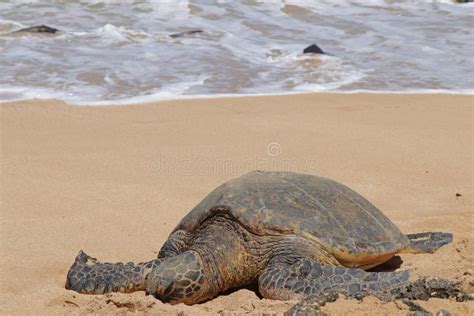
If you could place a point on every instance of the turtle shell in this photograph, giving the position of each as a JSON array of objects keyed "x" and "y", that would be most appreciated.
[{"x": 316, "y": 208}]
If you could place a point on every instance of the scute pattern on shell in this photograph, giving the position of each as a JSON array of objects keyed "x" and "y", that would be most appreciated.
[{"x": 275, "y": 203}]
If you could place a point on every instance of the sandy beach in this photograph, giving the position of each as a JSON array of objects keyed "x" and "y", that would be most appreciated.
[{"x": 115, "y": 181}]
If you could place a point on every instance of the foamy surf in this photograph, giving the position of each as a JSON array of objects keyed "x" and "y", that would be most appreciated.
[{"x": 119, "y": 53}]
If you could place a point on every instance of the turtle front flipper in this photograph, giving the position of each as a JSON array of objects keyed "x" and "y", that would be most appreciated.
[
  {"x": 89, "y": 276},
  {"x": 305, "y": 277},
  {"x": 427, "y": 242}
]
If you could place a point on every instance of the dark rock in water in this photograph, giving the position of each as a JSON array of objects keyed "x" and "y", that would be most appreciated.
[
  {"x": 313, "y": 49},
  {"x": 185, "y": 33},
  {"x": 38, "y": 29}
]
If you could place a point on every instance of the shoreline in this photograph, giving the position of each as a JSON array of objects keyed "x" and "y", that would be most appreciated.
[
  {"x": 155, "y": 99},
  {"x": 115, "y": 181}
]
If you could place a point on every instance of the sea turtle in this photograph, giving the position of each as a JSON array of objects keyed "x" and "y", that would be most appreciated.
[
  {"x": 296, "y": 235},
  {"x": 38, "y": 29}
]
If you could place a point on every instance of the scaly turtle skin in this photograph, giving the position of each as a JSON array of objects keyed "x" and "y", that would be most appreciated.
[{"x": 296, "y": 235}]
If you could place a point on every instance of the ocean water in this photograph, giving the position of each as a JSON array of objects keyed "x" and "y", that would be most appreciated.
[{"x": 112, "y": 52}]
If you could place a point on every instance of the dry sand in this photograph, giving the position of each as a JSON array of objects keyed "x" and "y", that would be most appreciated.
[{"x": 114, "y": 181}]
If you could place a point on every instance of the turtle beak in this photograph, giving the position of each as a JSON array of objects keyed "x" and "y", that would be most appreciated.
[{"x": 159, "y": 287}]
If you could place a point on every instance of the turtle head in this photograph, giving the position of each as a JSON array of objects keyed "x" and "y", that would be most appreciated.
[{"x": 179, "y": 279}]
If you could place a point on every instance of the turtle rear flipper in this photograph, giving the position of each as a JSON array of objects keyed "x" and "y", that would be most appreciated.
[
  {"x": 421, "y": 289},
  {"x": 427, "y": 242},
  {"x": 306, "y": 277},
  {"x": 89, "y": 276}
]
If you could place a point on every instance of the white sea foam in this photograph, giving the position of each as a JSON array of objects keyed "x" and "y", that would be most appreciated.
[{"x": 120, "y": 51}]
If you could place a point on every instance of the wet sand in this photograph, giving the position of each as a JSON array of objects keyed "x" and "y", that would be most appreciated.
[{"x": 114, "y": 181}]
